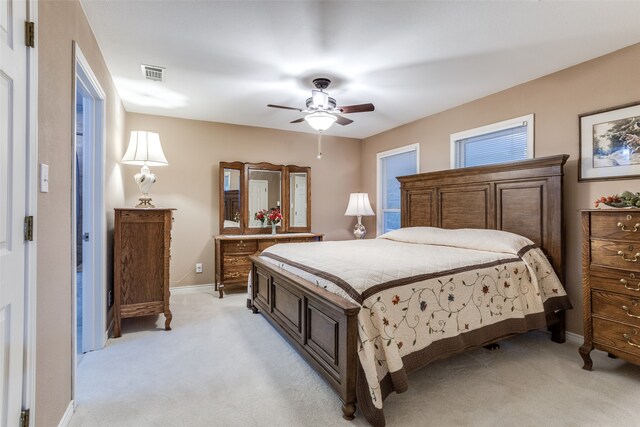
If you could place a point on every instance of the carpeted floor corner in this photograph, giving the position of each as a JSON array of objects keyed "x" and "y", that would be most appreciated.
[{"x": 221, "y": 365}]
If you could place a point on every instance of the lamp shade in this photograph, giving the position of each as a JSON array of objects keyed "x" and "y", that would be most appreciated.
[
  {"x": 144, "y": 149},
  {"x": 320, "y": 120},
  {"x": 359, "y": 205}
]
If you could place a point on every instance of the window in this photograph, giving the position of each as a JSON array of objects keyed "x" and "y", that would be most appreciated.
[
  {"x": 391, "y": 164},
  {"x": 502, "y": 142}
]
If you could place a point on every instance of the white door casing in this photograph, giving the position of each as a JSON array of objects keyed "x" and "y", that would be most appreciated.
[
  {"x": 13, "y": 189},
  {"x": 258, "y": 199},
  {"x": 299, "y": 205},
  {"x": 94, "y": 220}
]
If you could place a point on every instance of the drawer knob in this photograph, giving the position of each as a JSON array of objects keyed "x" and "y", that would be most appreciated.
[
  {"x": 635, "y": 257},
  {"x": 627, "y": 310},
  {"x": 623, "y": 227},
  {"x": 629, "y": 339},
  {"x": 631, "y": 288}
]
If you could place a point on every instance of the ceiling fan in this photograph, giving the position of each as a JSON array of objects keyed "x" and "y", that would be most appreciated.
[{"x": 322, "y": 110}]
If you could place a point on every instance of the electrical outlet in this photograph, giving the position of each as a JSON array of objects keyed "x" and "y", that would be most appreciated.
[{"x": 199, "y": 267}]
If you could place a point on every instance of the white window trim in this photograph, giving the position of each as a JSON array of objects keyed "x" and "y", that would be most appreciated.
[
  {"x": 494, "y": 127},
  {"x": 400, "y": 150}
]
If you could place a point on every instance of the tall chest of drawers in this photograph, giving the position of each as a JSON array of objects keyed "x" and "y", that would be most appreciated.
[
  {"x": 611, "y": 283},
  {"x": 141, "y": 253}
]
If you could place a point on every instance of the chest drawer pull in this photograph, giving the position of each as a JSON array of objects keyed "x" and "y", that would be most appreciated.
[
  {"x": 626, "y": 285},
  {"x": 623, "y": 227},
  {"x": 628, "y": 338},
  {"x": 635, "y": 257},
  {"x": 628, "y": 310}
]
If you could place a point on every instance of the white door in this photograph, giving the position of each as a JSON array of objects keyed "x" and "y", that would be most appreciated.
[
  {"x": 258, "y": 199},
  {"x": 13, "y": 175},
  {"x": 300, "y": 200}
]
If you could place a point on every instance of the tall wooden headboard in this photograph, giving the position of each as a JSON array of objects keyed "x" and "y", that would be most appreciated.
[{"x": 521, "y": 197}]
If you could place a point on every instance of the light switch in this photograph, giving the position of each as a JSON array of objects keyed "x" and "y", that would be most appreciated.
[{"x": 44, "y": 178}]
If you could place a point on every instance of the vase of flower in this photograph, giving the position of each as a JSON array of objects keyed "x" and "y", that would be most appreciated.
[{"x": 273, "y": 218}]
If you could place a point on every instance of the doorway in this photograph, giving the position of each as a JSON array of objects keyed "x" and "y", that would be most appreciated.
[{"x": 89, "y": 224}]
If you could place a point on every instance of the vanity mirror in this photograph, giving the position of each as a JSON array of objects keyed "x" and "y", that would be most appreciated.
[
  {"x": 263, "y": 186},
  {"x": 231, "y": 175},
  {"x": 248, "y": 188},
  {"x": 298, "y": 188}
]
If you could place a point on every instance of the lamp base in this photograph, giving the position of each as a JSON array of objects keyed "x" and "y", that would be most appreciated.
[
  {"x": 359, "y": 231},
  {"x": 145, "y": 202}
]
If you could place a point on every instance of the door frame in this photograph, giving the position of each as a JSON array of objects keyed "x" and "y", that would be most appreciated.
[
  {"x": 96, "y": 295},
  {"x": 31, "y": 209}
]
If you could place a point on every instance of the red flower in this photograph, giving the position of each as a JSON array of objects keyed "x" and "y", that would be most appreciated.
[
  {"x": 385, "y": 321},
  {"x": 485, "y": 289},
  {"x": 395, "y": 300},
  {"x": 400, "y": 345}
]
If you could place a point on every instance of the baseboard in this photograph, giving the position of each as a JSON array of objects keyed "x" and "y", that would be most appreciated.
[
  {"x": 66, "y": 418},
  {"x": 574, "y": 338},
  {"x": 192, "y": 288}
]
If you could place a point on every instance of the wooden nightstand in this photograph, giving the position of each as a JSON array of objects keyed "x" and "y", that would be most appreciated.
[
  {"x": 141, "y": 253},
  {"x": 611, "y": 283}
]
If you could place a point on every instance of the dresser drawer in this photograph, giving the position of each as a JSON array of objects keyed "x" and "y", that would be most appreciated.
[
  {"x": 617, "y": 335},
  {"x": 302, "y": 239},
  {"x": 236, "y": 273},
  {"x": 616, "y": 225},
  {"x": 239, "y": 247},
  {"x": 620, "y": 308},
  {"x": 624, "y": 255},
  {"x": 267, "y": 243},
  {"x": 620, "y": 281}
]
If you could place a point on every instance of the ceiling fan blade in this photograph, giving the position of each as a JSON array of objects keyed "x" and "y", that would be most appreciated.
[
  {"x": 283, "y": 107},
  {"x": 343, "y": 120},
  {"x": 301, "y": 119},
  {"x": 360, "y": 108}
]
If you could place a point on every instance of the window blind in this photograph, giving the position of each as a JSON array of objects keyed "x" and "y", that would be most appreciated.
[
  {"x": 391, "y": 167},
  {"x": 501, "y": 146}
]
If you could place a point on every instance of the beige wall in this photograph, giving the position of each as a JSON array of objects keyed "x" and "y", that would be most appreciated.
[
  {"x": 556, "y": 100},
  {"x": 61, "y": 22},
  {"x": 190, "y": 182}
]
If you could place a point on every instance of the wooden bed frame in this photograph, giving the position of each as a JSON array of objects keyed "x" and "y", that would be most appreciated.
[{"x": 523, "y": 197}]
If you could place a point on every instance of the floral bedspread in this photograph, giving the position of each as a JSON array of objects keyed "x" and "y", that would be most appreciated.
[{"x": 426, "y": 291}]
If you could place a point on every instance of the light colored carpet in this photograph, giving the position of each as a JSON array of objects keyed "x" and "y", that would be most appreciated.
[{"x": 223, "y": 366}]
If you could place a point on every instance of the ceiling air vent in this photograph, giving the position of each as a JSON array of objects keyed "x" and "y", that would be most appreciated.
[{"x": 152, "y": 72}]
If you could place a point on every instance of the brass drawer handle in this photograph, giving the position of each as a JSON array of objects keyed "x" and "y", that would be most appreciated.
[
  {"x": 233, "y": 275},
  {"x": 623, "y": 227},
  {"x": 628, "y": 338},
  {"x": 240, "y": 244},
  {"x": 627, "y": 310},
  {"x": 626, "y": 285},
  {"x": 635, "y": 257}
]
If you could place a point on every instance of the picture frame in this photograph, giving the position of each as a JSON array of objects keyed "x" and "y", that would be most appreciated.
[{"x": 610, "y": 143}]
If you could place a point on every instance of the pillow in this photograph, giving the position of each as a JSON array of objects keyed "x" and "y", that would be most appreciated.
[{"x": 467, "y": 238}]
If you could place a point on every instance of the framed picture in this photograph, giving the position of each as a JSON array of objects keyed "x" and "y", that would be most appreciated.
[{"x": 610, "y": 143}]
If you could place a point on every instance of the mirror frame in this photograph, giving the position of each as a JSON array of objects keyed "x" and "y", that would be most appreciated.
[
  {"x": 288, "y": 171},
  {"x": 240, "y": 167},
  {"x": 283, "y": 199}
]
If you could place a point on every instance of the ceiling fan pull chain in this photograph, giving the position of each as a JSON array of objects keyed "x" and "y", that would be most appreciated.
[{"x": 320, "y": 145}]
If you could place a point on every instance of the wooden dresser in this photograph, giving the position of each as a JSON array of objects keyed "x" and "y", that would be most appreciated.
[
  {"x": 611, "y": 283},
  {"x": 232, "y": 254},
  {"x": 141, "y": 253}
]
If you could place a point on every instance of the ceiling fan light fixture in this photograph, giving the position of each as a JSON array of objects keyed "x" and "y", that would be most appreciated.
[
  {"x": 320, "y": 120},
  {"x": 320, "y": 99}
]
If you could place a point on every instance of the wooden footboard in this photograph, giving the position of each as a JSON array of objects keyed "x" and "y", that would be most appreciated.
[{"x": 321, "y": 326}]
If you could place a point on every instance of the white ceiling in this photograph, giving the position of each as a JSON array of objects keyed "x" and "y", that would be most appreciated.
[{"x": 226, "y": 60}]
